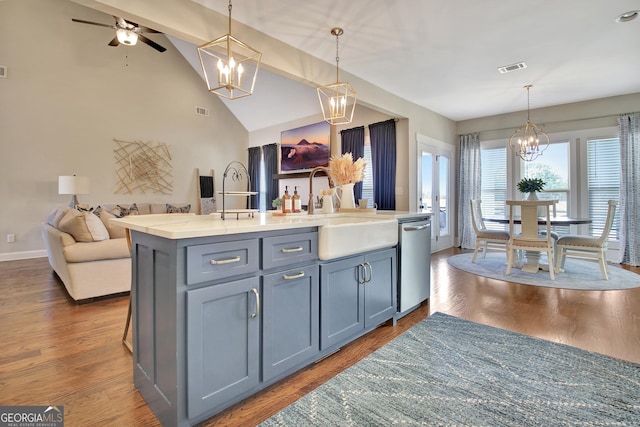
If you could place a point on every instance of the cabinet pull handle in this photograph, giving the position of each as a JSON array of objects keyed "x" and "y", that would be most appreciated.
[
  {"x": 367, "y": 264},
  {"x": 225, "y": 261},
  {"x": 257, "y": 295},
  {"x": 288, "y": 251},
  {"x": 415, "y": 227},
  {"x": 293, "y": 276},
  {"x": 362, "y": 274}
]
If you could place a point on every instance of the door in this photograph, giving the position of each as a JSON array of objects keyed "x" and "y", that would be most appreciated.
[
  {"x": 435, "y": 189},
  {"x": 290, "y": 319},
  {"x": 222, "y": 343}
]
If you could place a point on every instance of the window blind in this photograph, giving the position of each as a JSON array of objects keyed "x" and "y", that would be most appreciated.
[
  {"x": 603, "y": 182},
  {"x": 494, "y": 183}
]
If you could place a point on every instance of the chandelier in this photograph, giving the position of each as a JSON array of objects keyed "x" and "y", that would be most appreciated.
[
  {"x": 529, "y": 141},
  {"x": 337, "y": 100},
  {"x": 230, "y": 66}
]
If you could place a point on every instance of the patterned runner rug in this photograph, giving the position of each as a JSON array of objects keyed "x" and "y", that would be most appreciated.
[{"x": 447, "y": 371}]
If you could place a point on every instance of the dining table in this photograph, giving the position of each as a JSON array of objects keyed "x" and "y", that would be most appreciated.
[{"x": 532, "y": 263}]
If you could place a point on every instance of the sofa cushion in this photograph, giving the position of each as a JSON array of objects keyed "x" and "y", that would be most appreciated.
[
  {"x": 97, "y": 251},
  {"x": 56, "y": 215},
  {"x": 122, "y": 211},
  {"x": 83, "y": 226},
  {"x": 115, "y": 232}
]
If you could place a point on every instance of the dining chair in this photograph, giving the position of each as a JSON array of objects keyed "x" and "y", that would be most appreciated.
[
  {"x": 530, "y": 239},
  {"x": 587, "y": 246},
  {"x": 485, "y": 239}
]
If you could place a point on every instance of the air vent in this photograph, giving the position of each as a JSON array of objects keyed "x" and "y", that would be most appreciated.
[
  {"x": 202, "y": 111},
  {"x": 3, "y": 71},
  {"x": 512, "y": 67}
]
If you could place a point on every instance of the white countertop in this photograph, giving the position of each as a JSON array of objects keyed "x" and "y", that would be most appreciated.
[{"x": 184, "y": 226}]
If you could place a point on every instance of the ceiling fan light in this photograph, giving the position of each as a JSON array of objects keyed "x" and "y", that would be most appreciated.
[{"x": 127, "y": 37}]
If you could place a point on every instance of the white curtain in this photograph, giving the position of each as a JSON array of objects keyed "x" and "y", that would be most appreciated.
[
  {"x": 469, "y": 187},
  {"x": 629, "y": 135}
]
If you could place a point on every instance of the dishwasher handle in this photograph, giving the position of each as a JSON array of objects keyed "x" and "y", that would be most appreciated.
[{"x": 415, "y": 227}]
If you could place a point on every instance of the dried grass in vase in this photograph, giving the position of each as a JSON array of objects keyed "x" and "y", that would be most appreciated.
[{"x": 343, "y": 170}]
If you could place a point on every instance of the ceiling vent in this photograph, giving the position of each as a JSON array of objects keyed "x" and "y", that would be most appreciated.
[
  {"x": 3, "y": 71},
  {"x": 512, "y": 67},
  {"x": 202, "y": 111}
]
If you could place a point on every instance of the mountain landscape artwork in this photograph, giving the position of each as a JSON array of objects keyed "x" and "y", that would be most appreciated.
[{"x": 304, "y": 148}]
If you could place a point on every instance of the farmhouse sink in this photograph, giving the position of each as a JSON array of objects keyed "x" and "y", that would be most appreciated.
[{"x": 347, "y": 235}]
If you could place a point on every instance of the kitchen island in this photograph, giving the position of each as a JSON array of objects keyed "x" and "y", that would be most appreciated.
[{"x": 224, "y": 308}]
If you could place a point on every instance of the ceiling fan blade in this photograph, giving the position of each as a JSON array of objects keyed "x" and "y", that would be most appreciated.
[
  {"x": 114, "y": 42},
  {"x": 148, "y": 30},
  {"x": 81, "y": 21},
  {"x": 151, "y": 43}
]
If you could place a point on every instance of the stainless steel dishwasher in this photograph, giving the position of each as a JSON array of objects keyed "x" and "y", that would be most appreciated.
[{"x": 414, "y": 261}]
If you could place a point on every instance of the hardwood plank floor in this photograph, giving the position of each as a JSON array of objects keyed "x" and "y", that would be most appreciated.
[{"x": 57, "y": 352}]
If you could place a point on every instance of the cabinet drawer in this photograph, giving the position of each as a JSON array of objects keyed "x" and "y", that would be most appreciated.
[
  {"x": 278, "y": 251},
  {"x": 219, "y": 260}
]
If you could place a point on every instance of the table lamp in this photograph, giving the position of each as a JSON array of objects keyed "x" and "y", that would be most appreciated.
[{"x": 73, "y": 185}]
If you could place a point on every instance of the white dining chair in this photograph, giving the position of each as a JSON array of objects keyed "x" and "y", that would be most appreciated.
[
  {"x": 485, "y": 239},
  {"x": 589, "y": 247}
]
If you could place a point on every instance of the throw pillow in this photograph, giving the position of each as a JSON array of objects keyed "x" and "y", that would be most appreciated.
[
  {"x": 83, "y": 226},
  {"x": 121, "y": 211},
  {"x": 178, "y": 209},
  {"x": 115, "y": 232}
]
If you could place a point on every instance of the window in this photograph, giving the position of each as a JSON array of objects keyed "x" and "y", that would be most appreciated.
[
  {"x": 367, "y": 182},
  {"x": 603, "y": 182},
  {"x": 553, "y": 168},
  {"x": 494, "y": 182}
]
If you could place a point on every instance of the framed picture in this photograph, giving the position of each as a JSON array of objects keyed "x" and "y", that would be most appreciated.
[{"x": 304, "y": 148}]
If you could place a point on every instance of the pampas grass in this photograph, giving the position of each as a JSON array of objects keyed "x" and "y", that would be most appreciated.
[{"x": 343, "y": 170}]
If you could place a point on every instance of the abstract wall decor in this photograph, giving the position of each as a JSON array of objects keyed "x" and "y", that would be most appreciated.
[{"x": 143, "y": 167}]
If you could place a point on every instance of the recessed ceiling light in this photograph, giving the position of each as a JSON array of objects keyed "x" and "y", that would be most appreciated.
[
  {"x": 512, "y": 67},
  {"x": 627, "y": 16}
]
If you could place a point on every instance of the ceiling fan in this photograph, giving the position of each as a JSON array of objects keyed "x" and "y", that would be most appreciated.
[{"x": 127, "y": 33}]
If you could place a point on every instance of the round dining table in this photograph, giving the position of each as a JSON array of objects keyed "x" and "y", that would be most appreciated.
[
  {"x": 532, "y": 264},
  {"x": 555, "y": 220}
]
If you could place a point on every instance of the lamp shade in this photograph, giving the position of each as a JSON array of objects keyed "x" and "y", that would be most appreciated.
[{"x": 73, "y": 184}]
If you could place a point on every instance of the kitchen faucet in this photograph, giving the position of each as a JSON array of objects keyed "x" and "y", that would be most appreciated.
[{"x": 311, "y": 205}]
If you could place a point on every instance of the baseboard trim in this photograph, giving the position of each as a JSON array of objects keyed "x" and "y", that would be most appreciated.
[{"x": 12, "y": 256}]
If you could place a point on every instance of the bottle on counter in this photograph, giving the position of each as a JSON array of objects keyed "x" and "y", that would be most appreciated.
[
  {"x": 286, "y": 201},
  {"x": 297, "y": 203}
]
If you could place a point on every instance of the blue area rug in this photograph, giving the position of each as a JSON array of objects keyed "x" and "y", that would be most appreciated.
[
  {"x": 447, "y": 371},
  {"x": 578, "y": 273}
]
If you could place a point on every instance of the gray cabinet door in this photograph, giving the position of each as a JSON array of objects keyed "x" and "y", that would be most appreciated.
[
  {"x": 290, "y": 319},
  {"x": 380, "y": 291},
  {"x": 342, "y": 308},
  {"x": 222, "y": 343}
]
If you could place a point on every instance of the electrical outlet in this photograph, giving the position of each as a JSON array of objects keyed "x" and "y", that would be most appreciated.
[{"x": 11, "y": 238}]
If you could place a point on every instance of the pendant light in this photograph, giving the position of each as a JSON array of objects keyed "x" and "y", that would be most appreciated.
[
  {"x": 529, "y": 141},
  {"x": 337, "y": 100},
  {"x": 230, "y": 66}
]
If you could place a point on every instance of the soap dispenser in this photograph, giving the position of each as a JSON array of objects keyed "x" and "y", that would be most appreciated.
[
  {"x": 286, "y": 201},
  {"x": 297, "y": 203}
]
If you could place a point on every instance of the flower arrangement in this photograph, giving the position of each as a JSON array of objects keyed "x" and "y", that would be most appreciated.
[
  {"x": 343, "y": 170},
  {"x": 276, "y": 203},
  {"x": 531, "y": 185}
]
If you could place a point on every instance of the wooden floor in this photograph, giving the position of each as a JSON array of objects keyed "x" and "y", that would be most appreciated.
[{"x": 55, "y": 352}]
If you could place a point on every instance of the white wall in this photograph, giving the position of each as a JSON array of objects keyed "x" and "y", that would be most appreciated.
[{"x": 68, "y": 95}]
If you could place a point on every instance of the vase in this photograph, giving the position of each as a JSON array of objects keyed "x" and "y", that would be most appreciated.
[
  {"x": 346, "y": 197},
  {"x": 532, "y": 196},
  {"x": 327, "y": 204}
]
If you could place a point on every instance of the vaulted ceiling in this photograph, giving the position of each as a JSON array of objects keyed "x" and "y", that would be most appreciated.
[{"x": 444, "y": 55}]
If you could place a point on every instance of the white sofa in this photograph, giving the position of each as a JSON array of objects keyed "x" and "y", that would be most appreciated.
[{"x": 90, "y": 256}]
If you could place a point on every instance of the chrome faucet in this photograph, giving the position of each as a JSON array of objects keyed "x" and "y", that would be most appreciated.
[{"x": 311, "y": 205}]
